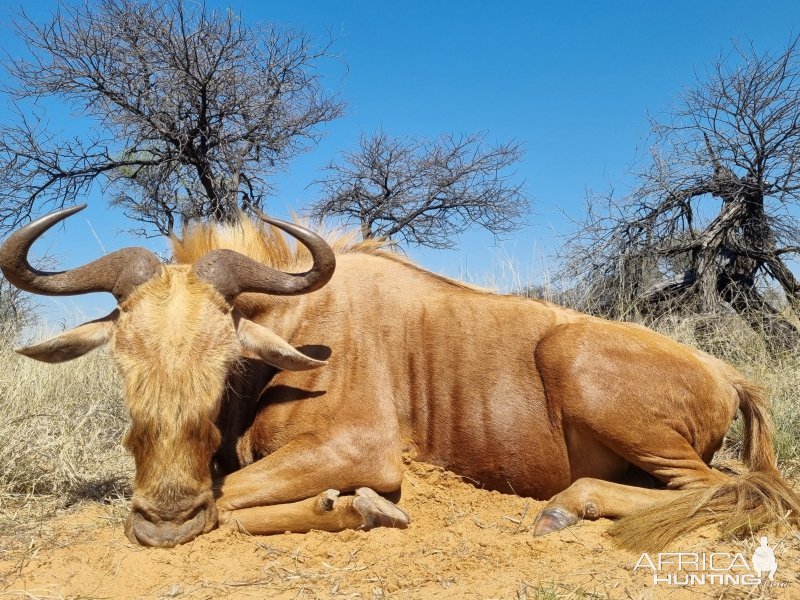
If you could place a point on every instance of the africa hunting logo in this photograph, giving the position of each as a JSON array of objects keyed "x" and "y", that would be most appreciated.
[{"x": 711, "y": 568}]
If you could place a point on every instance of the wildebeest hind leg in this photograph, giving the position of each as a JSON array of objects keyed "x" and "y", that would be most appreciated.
[
  {"x": 592, "y": 499},
  {"x": 325, "y": 512},
  {"x": 667, "y": 457}
]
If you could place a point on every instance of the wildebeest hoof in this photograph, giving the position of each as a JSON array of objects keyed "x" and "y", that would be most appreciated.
[
  {"x": 377, "y": 511},
  {"x": 326, "y": 500},
  {"x": 553, "y": 519}
]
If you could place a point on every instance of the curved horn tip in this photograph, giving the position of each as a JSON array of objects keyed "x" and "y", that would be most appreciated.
[
  {"x": 68, "y": 211},
  {"x": 233, "y": 273},
  {"x": 51, "y": 218},
  {"x": 272, "y": 220},
  {"x": 119, "y": 272},
  {"x": 77, "y": 208},
  {"x": 25, "y": 236},
  {"x": 267, "y": 219}
]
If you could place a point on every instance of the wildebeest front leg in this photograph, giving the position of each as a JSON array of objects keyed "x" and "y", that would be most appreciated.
[
  {"x": 326, "y": 512},
  {"x": 295, "y": 489}
]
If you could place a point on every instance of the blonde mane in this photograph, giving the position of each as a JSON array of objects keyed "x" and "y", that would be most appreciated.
[
  {"x": 265, "y": 243},
  {"x": 270, "y": 246}
]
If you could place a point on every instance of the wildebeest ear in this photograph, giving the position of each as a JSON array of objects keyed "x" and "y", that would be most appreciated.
[
  {"x": 73, "y": 343},
  {"x": 272, "y": 348}
]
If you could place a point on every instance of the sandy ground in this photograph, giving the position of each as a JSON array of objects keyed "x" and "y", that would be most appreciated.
[{"x": 463, "y": 543}]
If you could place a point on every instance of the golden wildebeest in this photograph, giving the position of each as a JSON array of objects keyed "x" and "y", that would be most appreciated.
[{"x": 517, "y": 395}]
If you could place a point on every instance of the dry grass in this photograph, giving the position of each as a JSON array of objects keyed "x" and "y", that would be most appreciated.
[{"x": 59, "y": 437}]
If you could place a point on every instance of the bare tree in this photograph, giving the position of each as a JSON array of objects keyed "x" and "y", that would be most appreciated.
[
  {"x": 424, "y": 192},
  {"x": 194, "y": 110},
  {"x": 714, "y": 221}
]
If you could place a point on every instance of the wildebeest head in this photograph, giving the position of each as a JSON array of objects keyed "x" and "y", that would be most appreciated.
[{"x": 175, "y": 336}]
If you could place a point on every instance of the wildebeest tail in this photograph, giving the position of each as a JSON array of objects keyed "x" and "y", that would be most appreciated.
[
  {"x": 758, "y": 453},
  {"x": 737, "y": 505}
]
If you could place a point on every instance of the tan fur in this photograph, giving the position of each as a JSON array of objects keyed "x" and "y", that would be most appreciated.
[
  {"x": 758, "y": 453},
  {"x": 269, "y": 246},
  {"x": 737, "y": 506},
  {"x": 462, "y": 352},
  {"x": 264, "y": 243}
]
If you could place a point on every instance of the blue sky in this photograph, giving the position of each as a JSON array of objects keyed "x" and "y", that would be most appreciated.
[{"x": 573, "y": 81}]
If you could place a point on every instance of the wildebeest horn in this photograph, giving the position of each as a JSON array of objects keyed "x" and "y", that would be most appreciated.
[
  {"x": 232, "y": 273},
  {"x": 119, "y": 272}
]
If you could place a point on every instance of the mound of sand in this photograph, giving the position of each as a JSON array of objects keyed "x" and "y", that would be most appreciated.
[{"x": 463, "y": 542}]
